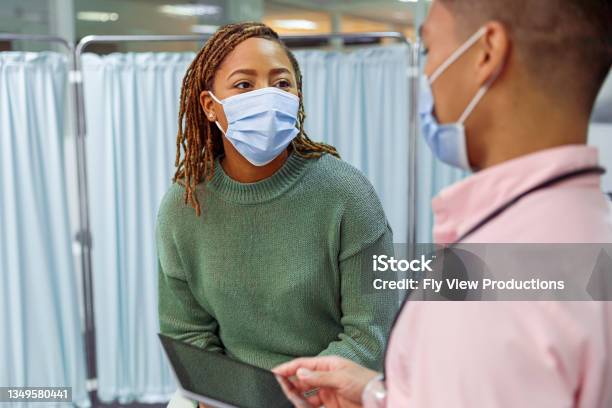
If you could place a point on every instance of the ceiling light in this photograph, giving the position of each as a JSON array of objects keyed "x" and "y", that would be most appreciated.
[
  {"x": 97, "y": 16},
  {"x": 190, "y": 10},
  {"x": 295, "y": 24}
]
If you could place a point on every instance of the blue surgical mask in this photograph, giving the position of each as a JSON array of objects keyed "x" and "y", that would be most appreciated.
[
  {"x": 260, "y": 123},
  {"x": 447, "y": 141}
]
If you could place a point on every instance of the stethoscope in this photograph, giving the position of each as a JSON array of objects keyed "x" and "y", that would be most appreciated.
[
  {"x": 548, "y": 183},
  {"x": 497, "y": 212}
]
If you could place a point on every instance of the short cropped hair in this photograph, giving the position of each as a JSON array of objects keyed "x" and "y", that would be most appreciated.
[{"x": 565, "y": 44}]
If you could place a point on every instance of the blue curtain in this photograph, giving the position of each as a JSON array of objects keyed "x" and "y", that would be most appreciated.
[
  {"x": 41, "y": 331},
  {"x": 358, "y": 102},
  {"x": 131, "y": 109}
]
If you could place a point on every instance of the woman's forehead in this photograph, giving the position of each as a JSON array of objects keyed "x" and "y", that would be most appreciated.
[{"x": 258, "y": 54}]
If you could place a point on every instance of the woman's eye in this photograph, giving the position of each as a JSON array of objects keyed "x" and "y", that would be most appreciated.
[
  {"x": 424, "y": 50},
  {"x": 283, "y": 83},
  {"x": 243, "y": 85}
]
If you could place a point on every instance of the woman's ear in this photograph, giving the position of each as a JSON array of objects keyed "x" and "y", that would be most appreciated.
[{"x": 206, "y": 101}]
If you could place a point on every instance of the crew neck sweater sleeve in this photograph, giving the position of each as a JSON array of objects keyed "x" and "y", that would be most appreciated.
[
  {"x": 182, "y": 318},
  {"x": 366, "y": 315}
]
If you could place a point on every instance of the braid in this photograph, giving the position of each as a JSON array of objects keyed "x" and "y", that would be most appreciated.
[{"x": 198, "y": 143}]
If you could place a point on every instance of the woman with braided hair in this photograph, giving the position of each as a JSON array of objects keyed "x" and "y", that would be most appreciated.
[{"x": 263, "y": 234}]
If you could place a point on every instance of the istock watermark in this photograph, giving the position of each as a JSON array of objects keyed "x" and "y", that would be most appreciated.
[
  {"x": 491, "y": 272},
  {"x": 383, "y": 263}
]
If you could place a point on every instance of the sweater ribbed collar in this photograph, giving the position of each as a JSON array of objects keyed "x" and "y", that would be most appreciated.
[{"x": 260, "y": 191}]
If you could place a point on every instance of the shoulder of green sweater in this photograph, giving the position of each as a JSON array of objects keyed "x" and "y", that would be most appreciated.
[
  {"x": 173, "y": 208},
  {"x": 363, "y": 220},
  {"x": 343, "y": 179}
]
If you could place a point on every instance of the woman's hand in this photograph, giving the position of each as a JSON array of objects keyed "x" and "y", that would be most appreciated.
[{"x": 340, "y": 381}]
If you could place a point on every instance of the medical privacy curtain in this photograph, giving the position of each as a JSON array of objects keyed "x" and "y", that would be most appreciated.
[
  {"x": 131, "y": 105},
  {"x": 40, "y": 326},
  {"x": 358, "y": 102}
]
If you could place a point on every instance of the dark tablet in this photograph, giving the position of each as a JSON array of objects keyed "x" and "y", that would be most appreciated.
[{"x": 220, "y": 381}]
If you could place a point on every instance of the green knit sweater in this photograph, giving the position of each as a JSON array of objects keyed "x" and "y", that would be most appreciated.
[{"x": 274, "y": 270}]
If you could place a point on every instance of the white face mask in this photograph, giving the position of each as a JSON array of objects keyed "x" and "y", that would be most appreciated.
[
  {"x": 448, "y": 141},
  {"x": 260, "y": 123}
]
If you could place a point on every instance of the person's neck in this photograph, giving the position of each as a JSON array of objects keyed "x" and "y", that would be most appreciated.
[
  {"x": 528, "y": 129},
  {"x": 239, "y": 169}
]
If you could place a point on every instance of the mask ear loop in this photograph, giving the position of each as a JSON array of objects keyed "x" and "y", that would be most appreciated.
[
  {"x": 212, "y": 95},
  {"x": 479, "y": 95},
  {"x": 458, "y": 53},
  {"x": 470, "y": 108},
  {"x": 219, "y": 126}
]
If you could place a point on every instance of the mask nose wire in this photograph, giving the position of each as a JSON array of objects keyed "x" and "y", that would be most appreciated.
[{"x": 457, "y": 53}]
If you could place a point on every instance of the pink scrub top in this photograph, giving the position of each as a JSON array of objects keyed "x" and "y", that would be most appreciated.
[{"x": 510, "y": 354}]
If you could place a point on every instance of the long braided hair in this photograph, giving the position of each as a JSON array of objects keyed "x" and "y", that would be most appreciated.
[{"x": 198, "y": 143}]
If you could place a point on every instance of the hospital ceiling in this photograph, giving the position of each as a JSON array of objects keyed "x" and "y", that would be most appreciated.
[{"x": 395, "y": 11}]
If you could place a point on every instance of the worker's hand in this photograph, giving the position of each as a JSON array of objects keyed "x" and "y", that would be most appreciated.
[{"x": 340, "y": 381}]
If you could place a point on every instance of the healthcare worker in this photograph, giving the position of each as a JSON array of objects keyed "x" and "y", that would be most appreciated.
[
  {"x": 509, "y": 91},
  {"x": 262, "y": 236}
]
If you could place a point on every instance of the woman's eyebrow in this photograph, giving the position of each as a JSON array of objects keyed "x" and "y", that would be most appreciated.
[
  {"x": 277, "y": 71},
  {"x": 251, "y": 72}
]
